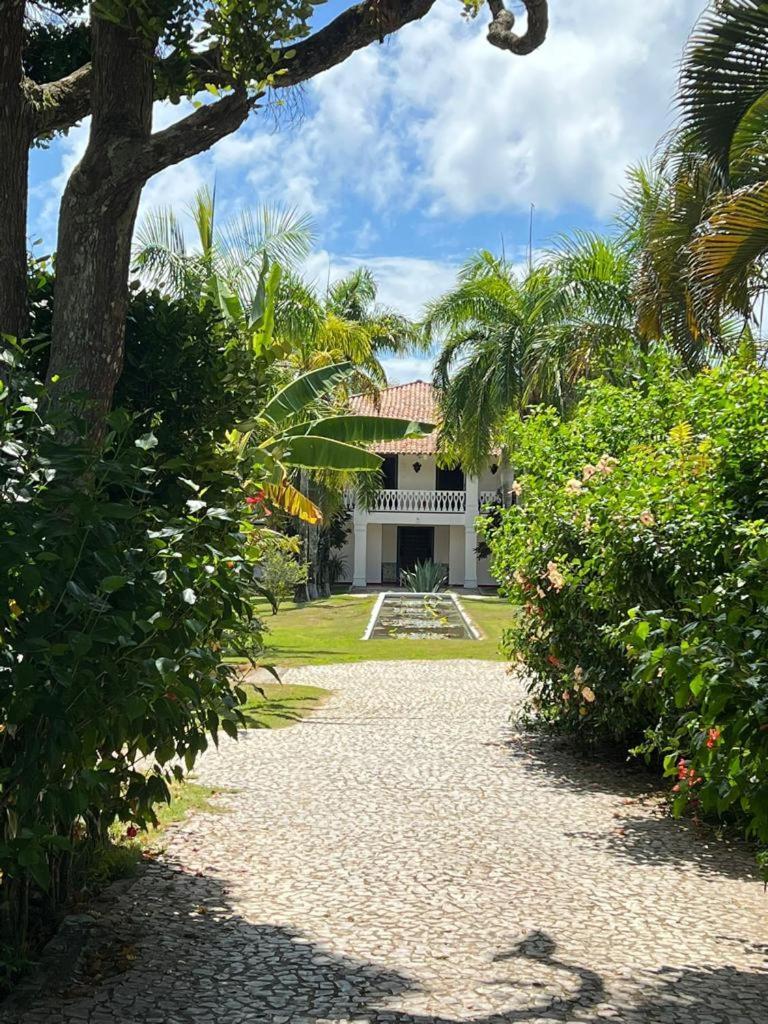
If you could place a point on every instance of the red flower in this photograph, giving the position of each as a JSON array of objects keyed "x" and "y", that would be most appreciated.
[
  {"x": 555, "y": 662},
  {"x": 682, "y": 770},
  {"x": 712, "y": 737},
  {"x": 255, "y": 499},
  {"x": 131, "y": 831}
]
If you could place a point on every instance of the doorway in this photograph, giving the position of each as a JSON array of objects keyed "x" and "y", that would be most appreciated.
[{"x": 414, "y": 544}]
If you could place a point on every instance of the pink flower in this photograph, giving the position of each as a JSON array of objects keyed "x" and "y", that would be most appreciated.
[
  {"x": 517, "y": 489},
  {"x": 712, "y": 737},
  {"x": 131, "y": 831},
  {"x": 589, "y": 471},
  {"x": 574, "y": 487},
  {"x": 555, "y": 577},
  {"x": 606, "y": 465},
  {"x": 647, "y": 518}
]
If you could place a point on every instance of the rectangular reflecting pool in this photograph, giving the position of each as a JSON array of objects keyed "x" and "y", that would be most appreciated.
[{"x": 404, "y": 615}]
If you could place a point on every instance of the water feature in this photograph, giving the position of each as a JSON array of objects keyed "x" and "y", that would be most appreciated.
[{"x": 404, "y": 615}]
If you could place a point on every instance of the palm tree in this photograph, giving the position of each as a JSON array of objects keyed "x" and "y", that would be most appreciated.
[
  {"x": 226, "y": 262},
  {"x": 724, "y": 102},
  {"x": 344, "y": 323},
  {"x": 511, "y": 340}
]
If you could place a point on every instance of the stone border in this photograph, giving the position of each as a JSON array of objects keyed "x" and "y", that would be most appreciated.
[
  {"x": 58, "y": 961},
  {"x": 474, "y": 632}
]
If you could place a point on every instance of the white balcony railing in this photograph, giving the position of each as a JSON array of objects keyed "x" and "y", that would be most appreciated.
[
  {"x": 420, "y": 501},
  {"x": 490, "y": 498},
  {"x": 414, "y": 501}
]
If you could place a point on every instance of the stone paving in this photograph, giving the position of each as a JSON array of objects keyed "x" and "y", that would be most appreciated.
[{"x": 404, "y": 857}]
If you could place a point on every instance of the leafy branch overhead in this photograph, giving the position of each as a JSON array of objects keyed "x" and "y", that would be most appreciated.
[{"x": 237, "y": 45}]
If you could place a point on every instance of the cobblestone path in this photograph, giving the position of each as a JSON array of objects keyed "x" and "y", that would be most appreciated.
[{"x": 404, "y": 858}]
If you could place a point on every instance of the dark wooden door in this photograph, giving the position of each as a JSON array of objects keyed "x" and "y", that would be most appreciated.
[{"x": 414, "y": 544}]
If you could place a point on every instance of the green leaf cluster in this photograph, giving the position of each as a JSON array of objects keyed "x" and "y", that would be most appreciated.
[{"x": 636, "y": 554}]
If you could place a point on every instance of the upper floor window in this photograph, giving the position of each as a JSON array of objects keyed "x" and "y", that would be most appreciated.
[
  {"x": 389, "y": 472},
  {"x": 450, "y": 479}
]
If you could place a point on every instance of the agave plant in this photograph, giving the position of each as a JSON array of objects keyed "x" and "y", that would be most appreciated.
[{"x": 425, "y": 578}]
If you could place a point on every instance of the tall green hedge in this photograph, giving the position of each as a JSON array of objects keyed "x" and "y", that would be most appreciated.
[{"x": 638, "y": 557}]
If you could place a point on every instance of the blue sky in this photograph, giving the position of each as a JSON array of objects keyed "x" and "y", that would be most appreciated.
[{"x": 413, "y": 154}]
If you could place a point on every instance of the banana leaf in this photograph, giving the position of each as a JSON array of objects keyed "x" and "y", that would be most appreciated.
[
  {"x": 325, "y": 453},
  {"x": 305, "y": 389},
  {"x": 362, "y": 429}
]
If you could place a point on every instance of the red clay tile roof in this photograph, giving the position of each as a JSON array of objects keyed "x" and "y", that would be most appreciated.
[{"x": 414, "y": 401}]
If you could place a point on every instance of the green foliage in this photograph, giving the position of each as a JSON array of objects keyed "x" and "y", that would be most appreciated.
[
  {"x": 637, "y": 556},
  {"x": 280, "y": 570},
  {"x": 512, "y": 340},
  {"x": 425, "y": 578},
  {"x": 113, "y": 606}
]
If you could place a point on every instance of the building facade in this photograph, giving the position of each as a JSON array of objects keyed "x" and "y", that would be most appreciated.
[{"x": 423, "y": 512}]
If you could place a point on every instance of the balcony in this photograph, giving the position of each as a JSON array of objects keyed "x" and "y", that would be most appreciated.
[
  {"x": 414, "y": 501},
  {"x": 395, "y": 500}
]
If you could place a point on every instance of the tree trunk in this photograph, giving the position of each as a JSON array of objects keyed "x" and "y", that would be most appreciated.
[
  {"x": 15, "y": 139},
  {"x": 96, "y": 220}
]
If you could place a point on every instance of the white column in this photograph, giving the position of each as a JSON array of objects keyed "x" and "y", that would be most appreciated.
[
  {"x": 361, "y": 548},
  {"x": 470, "y": 537}
]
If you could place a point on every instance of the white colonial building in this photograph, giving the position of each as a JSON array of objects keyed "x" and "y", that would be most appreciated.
[{"x": 423, "y": 512}]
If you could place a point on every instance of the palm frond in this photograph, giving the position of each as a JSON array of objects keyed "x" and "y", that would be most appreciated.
[{"x": 724, "y": 72}]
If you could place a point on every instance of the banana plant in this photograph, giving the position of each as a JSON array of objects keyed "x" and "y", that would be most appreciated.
[{"x": 291, "y": 434}]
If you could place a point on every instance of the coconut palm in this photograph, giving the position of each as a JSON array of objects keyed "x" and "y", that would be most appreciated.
[
  {"x": 724, "y": 103},
  {"x": 510, "y": 340},
  {"x": 345, "y": 322},
  {"x": 225, "y": 263}
]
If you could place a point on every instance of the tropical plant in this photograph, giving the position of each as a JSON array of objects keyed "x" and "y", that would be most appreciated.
[
  {"x": 280, "y": 569},
  {"x": 424, "y": 578},
  {"x": 113, "y": 607},
  {"x": 634, "y": 562},
  {"x": 512, "y": 341},
  {"x": 226, "y": 267},
  {"x": 344, "y": 323},
  {"x": 724, "y": 103}
]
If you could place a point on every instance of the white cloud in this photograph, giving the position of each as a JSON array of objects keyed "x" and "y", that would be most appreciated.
[
  {"x": 439, "y": 122},
  {"x": 476, "y": 130},
  {"x": 405, "y": 283}
]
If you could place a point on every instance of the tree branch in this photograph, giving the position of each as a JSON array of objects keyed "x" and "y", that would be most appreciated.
[
  {"x": 357, "y": 27},
  {"x": 192, "y": 134},
  {"x": 59, "y": 105},
  {"x": 503, "y": 21}
]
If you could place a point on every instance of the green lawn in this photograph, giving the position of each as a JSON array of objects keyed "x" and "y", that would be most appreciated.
[
  {"x": 329, "y": 631},
  {"x": 277, "y": 705}
]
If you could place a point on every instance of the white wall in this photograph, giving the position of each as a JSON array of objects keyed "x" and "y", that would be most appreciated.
[
  {"x": 490, "y": 481},
  {"x": 456, "y": 556},
  {"x": 347, "y": 555},
  {"x": 442, "y": 545},
  {"x": 424, "y": 480},
  {"x": 373, "y": 554},
  {"x": 389, "y": 543},
  {"x": 484, "y": 578}
]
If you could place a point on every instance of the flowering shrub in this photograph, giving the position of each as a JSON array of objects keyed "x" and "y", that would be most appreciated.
[
  {"x": 112, "y": 609},
  {"x": 637, "y": 558}
]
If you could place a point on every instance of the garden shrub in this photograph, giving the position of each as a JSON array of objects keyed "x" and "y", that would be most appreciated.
[
  {"x": 280, "y": 570},
  {"x": 637, "y": 557},
  {"x": 113, "y": 607}
]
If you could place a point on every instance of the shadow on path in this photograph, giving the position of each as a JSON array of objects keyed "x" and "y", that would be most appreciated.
[
  {"x": 193, "y": 959},
  {"x": 650, "y": 837}
]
